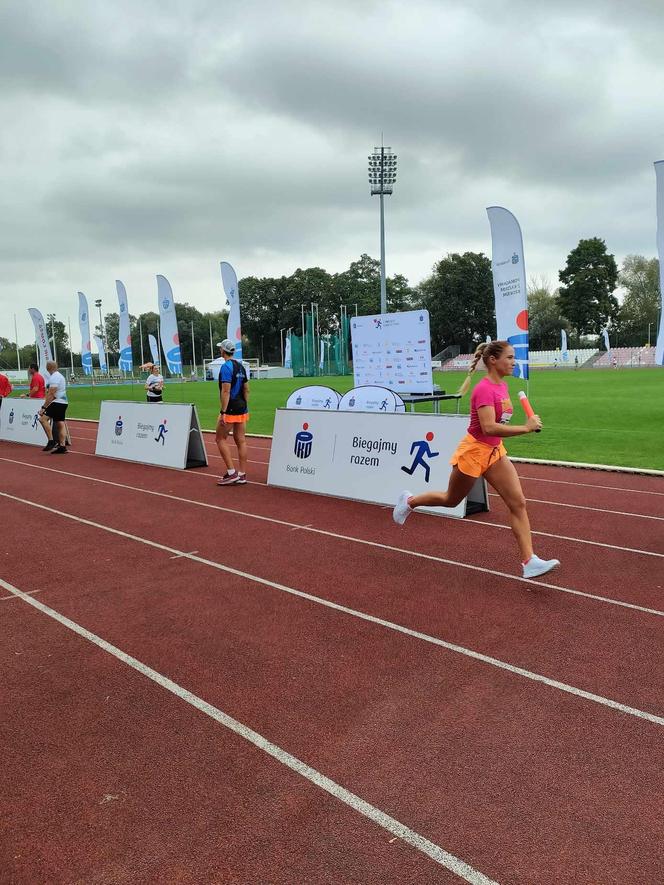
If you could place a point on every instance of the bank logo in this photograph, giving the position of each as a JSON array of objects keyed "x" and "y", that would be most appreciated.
[
  {"x": 83, "y": 317},
  {"x": 161, "y": 433},
  {"x": 118, "y": 426},
  {"x": 515, "y": 258},
  {"x": 165, "y": 303},
  {"x": 298, "y": 400},
  {"x": 351, "y": 402},
  {"x": 421, "y": 450},
  {"x": 303, "y": 442},
  {"x": 11, "y": 417}
]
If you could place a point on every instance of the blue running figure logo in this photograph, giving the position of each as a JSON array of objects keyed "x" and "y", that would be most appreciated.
[
  {"x": 35, "y": 421},
  {"x": 383, "y": 406},
  {"x": 161, "y": 433},
  {"x": 328, "y": 402},
  {"x": 421, "y": 449}
]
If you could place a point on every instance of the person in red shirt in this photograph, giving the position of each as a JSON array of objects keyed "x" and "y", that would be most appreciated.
[
  {"x": 37, "y": 383},
  {"x": 5, "y": 387}
]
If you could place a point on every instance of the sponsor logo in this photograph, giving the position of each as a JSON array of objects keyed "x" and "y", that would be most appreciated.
[
  {"x": 515, "y": 258},
  {"x": 35, "y": 422},
  {"x": 378, "y": 323},
  {"x": 303, "y": 442},
  {"x": 165, "y": 303},
  {"x": 161, "y": 433},
  {"x": 421, "y": 450},
  {"x": 11, "y": 417},
  {"x": 122, "y": 308},
  {"x": 298, "y": 400},
  {"x": 84, "y": 317},
  {"x": 351, "y": 401},
  {"x": 118, "y": 426}
]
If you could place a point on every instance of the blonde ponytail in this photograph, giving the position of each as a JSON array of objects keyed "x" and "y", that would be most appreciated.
[{"x": 477, "y": 356}]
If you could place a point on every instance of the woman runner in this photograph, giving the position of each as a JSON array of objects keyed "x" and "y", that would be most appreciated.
[{"x": 482, "y": 453}]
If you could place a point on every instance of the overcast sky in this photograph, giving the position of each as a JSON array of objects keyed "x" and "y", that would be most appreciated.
[{"x": 163, "y": 137}]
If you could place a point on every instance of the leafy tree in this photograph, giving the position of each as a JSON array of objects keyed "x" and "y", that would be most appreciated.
[
  {"x": 588, "y": 282},
  {"x": 459, "y": 298},
  {"x": 57, "y": 334},
  {"x": 639, "y": 276},
  {"x": 544, "y": 317}
]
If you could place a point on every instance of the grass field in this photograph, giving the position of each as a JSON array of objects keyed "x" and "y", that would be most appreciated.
[{"x": 598, "y": 416}]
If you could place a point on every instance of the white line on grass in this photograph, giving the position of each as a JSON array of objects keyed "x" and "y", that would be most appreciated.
[
  {"x": 359, "y": 805},
  {"x": 401, "y": 550},
  {"x": 363, "y": 616}
]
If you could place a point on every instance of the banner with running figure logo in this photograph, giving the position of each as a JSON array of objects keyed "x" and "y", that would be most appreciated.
[
  {"x": 41, "y": 338},
  {"x": 165, "y": 434},
  {"x": 126, "y": 362},
  {"x": 509, "y": 285},
  {"x": 19, "y": 421},
  {"x": 659, "y": 172},
  {"x": 101, "y": 352},
  {"x": 232, "y": 291},
  {"x": 170, "y": 339},
  {"x": 368, "y": 456},
  {"x": 84, "y": 326}
]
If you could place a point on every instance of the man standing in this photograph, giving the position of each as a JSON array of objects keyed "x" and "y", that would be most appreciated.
[
  {"x": 234, "y": 414},
  {"x": 5, "y": 387},
  {"x": 36, "y": 382},
  {"x": 54, "y": 408},
  {"x": 154, "y": 384}
]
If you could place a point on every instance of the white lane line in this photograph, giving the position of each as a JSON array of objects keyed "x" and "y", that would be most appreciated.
[
  {"x": 401, "y": 550},
  {"x": 590, "y": 485},
  {"x": 359, "y": 805},
  {"x": 584, "y": 507},
  {"x": 363, "y": 616},
  {"x": 30, "y": 592},
  {"x": 179, "y": 555}
]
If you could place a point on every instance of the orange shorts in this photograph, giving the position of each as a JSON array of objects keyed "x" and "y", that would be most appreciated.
[
  {"x": 237, "y": 419},
  {"x": 474, "y": 458}
]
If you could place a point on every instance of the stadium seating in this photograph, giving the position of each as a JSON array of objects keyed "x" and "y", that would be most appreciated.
[{"x": 626, "y": 357}]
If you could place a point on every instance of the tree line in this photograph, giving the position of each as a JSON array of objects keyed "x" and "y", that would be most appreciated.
[{"x": 458, "y": 295}]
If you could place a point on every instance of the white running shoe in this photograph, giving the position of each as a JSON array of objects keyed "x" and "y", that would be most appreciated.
[
  {"x": 401, "y": 510},
  {"x": 536, "y": 566}
]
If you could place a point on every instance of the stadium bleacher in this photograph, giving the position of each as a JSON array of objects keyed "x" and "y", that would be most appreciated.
[
  {"x": 626, "y": 357},
  {"x": 538, "y": 359}
]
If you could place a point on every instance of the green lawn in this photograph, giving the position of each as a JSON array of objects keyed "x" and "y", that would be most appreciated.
[{"x": 599, "y": 416}]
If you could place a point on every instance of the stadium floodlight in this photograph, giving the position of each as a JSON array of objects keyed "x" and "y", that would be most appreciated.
[{"x": 382, "y": 176}]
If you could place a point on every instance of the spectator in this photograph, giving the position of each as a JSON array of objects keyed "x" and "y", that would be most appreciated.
[
  {"x": 5, "y": 387},
  {"x": 234, "y": 392},
  {"x": 54, "y": 408},
  {"x": 36, "y": 382},
  {"x": 154, "y": 384}
]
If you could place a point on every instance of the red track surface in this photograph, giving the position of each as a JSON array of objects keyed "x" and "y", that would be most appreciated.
[{"x": 109, "y": 777}]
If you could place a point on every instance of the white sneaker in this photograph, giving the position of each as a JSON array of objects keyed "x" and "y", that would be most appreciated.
[
  {"x": 536, "y": 566},
  {"x": 401, "y": 510}
]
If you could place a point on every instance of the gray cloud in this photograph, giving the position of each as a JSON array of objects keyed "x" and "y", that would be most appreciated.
[{"x": 164, "y": 137}]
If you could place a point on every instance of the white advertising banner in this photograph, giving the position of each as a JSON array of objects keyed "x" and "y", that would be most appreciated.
[
  {"x": 509, "y": 285},
  {"x": 84, "y": 326},
  {"x": 154, "y": 350},
  {"x": 168, "y": 327},
  {"x": 659, "y": 173},
  {"x": 232, "y": 292},
  {"x": 19, "y": 421},
  {"x": 607, "y": 343},
  {"x": 371, "y": 398},
  {"x": 101, "y": 353},
  {"x": 563, "y": 345},
  {"x": 393, "y": 350},
  {"x": 368, "y": 457},
  {"x": 126, "y": 362},
  {"x": 41, "y": 338},
  {"x": 163, "y": 434},
  {"x": 314, "y": 396}
]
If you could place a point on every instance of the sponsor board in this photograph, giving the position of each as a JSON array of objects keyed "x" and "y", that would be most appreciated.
[
  {"x": 314, "y": 396},
  {"x": 19, "y": 421},
  {"x": 368, "y": 456},
  {"x": 371, "y": 398},
  {"x": 393, "y": 350},
  {"x": 163, "y": 434}
]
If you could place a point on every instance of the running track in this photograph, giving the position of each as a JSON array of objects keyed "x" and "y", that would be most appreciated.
[{"x": 247, "y": 684}]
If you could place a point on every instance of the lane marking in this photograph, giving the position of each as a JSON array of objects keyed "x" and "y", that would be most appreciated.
[
  {"x": 590, "y": 485},
  {"x": 363, "y": 616},
  {"x": 359, "y": 805},
  {"x": 401, "y": 550},
  {"x": 179, "y": 555},
  {"x": 30, "y": 592},
  {"x": 585, "y": 507}
]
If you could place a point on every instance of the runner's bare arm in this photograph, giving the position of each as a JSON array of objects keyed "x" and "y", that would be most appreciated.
[{"x": 491, "y": 427}]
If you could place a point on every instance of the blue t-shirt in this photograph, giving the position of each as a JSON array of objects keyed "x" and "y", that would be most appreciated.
[{"x": 226, "y": 377}]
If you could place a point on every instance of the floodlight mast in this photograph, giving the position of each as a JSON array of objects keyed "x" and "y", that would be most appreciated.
[{"x": 382, "y": 175}]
